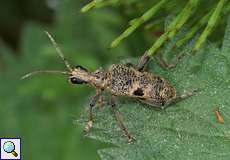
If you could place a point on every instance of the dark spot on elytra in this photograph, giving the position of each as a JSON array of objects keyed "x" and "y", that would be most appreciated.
[
  {"x": 138, "y": 92},
  {"x": 128, "y": 82}
]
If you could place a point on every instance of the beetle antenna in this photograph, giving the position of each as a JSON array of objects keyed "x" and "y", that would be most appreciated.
[
  {"x": 59, "y": 51},
  {"x": 43, "y": 71}
]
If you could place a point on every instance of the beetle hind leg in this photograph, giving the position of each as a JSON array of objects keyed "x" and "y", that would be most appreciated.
[
  {"x": 182, "y": 97},
  {"x": 164, "y": 105}
]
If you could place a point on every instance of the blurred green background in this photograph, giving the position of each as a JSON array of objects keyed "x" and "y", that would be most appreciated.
[{"x": 41, "y": 110}]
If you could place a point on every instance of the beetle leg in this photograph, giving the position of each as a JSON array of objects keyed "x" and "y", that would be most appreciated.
[
  {"x": 91, "y": 105},
  {"x": 143, "y": 62},
  {"x": 180, "y": 98},
  {"x": 119, "y": 119},
  {"x": 165, "y": 64},
  {"x": 160, "y": 105},
  {"x": 101, "y": 102},
  {"x": 146, "y": 58}
]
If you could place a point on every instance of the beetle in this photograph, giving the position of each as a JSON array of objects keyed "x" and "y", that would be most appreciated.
[{"x": 120, "y": 80}]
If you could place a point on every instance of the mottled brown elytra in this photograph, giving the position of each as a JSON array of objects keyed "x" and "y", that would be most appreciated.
[{"x": 120, "y": 80}]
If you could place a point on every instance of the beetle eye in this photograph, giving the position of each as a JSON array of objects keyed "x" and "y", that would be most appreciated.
[
  {"x": 80, "y": 67},
  {"x": 75, "y": 80}
]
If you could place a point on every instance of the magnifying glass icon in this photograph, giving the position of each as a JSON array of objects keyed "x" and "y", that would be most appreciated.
[{"x": 9, "y": 147}]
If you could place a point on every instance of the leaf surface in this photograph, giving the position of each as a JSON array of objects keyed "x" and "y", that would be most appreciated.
[{"x": 186, "y": 130}]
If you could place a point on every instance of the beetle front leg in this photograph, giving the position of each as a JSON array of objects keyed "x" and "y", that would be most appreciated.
[
  {"x": 91, "y": 105},
  {"x": 119, "y": 119}
]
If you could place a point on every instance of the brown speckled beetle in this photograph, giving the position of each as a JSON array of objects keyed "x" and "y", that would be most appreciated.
[{"x": 120, "y": 80}]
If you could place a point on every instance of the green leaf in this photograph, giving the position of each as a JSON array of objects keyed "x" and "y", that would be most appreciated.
[{"x": 186, "y": 130}]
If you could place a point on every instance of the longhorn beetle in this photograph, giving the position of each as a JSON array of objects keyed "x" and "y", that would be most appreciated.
[{"x": 120, "y": 80}]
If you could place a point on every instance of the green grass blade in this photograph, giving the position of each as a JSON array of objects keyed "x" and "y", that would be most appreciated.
[
  {"x": 137, "y": 22},
  {"x": 211, "y": 24}
]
